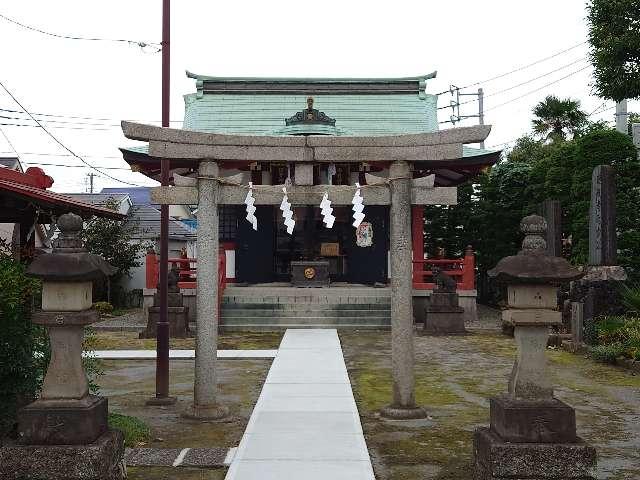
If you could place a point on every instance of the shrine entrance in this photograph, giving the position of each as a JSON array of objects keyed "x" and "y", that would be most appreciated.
[{"x": 354, "y": 256}]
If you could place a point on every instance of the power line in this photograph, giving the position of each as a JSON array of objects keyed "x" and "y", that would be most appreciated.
[
  {"x": 10, "y": 144},
  {"x": 140, "y": 44},
  {"x": 537, "y": 89},
  {"x": 59, "y": 142},
  {"x": 72, "y": 166},
  {"x": 45, "y": 154},
  {"x": 83, "y": 118},
  {"x": 524, "y": 67},
  {"x": 499, "y": 92}
]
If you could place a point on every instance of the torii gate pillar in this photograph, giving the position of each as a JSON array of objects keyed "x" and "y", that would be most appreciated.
[
  {"x": 402, "y": 361},
  {"x": 205, "y": 405}
]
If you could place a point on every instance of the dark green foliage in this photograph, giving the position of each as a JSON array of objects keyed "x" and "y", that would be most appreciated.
[
  {"x": 607, "y": 353},
  {"x": 614, "y": 36},
  {"x": 115, "y": 241},
  {"x": 21, "y": 372},
  {"x": 103, "y": 307},
  {"x": 557, "y": 118},
  {"x": 631, "y": 298},
  {"x": 617, "y": 336},
  {"x": 135, "y": 430}
]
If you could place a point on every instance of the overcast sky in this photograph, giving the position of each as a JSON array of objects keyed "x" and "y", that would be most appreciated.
[{"x": 465, "y": 41}]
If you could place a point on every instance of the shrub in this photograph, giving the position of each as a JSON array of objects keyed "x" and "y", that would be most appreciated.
[
  {"x": 607, "y": 353},
  {"x": 23, "y": 346},
  {"x": 134, "y": 429},
  {"x": 103, "y": 307},
  {"x": 631, "y": 298}
]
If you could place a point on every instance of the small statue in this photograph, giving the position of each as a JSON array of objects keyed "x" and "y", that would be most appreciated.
[
  {"x": 444, "y": 282},
  {"x": 172, "y": 280}
]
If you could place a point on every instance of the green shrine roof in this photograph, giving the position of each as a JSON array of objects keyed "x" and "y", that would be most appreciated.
[{"x": 259, "y": 106}]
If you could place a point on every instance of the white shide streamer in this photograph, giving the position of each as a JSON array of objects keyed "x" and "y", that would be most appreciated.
[
  {"x": 358, "y": 207},
  {"x": 287, "y": 214},
  {"x": 326, "y": 212},
  {"x": 251, "y": 209}
]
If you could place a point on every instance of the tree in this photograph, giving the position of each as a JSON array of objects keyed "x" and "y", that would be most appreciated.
[
  {"x": 614, "y": 36},
  {"x": 633, "y": 118},
  {"x": 558, "y": 117},
  {"x": 115, "y": 241}
]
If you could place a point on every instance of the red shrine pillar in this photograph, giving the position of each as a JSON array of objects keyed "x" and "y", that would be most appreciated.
[{"x": 417, "y": 238}]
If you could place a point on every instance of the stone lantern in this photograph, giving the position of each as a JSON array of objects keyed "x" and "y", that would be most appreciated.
[
  {"x": 532, "y": 434},
  {"x": 66, "y": 430}
]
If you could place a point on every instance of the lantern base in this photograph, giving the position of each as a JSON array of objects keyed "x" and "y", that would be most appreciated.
[
  {"x": 521, "y": 421},
  {"x": 102, "y": 459},
  {"x": 495, "y": 459},
  {"x": 63, "y": 422}
]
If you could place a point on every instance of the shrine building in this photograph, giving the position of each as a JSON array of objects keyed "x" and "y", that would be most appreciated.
[{"x": 313, "y": 136}]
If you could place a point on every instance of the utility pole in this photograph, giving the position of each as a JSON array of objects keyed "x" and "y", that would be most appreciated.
[
  {"x": 91, "y": 175},
  {"x": 481, "y": 111},
  {"x": 455, "y": 107},
  {"x": 162, "y": 327},
  {"x": 622, "y": 117}
]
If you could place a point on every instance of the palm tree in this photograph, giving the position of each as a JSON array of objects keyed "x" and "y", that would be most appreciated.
[{"x": 558, "y": 117}]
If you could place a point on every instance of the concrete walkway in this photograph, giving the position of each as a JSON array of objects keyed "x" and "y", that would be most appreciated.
[{"x": 305, "y": 424}]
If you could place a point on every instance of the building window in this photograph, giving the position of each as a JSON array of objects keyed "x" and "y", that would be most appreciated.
[{"x": 227, "y": 223}]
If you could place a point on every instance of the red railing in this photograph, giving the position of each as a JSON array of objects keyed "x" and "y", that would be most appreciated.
[
  {"x": 462, "y": 269},
  {"x": 187, "y": 271}
]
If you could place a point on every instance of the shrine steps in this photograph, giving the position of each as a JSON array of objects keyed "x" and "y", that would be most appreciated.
[{"x": 266, "y": 308}]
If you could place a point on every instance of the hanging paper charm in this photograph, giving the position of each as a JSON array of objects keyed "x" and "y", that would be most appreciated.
[
  {"x": 325, "y": 205},
  {"x": 358, "y": 207},
  {"x": 287, "y": 213},
  {"x": 251, "y": 209}
]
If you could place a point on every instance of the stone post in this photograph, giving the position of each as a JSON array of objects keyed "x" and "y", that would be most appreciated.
[
  {"x": 205, "y": 405},
  {"x": 65, "y": 432},
  {"x": 602, "y": 217},
  {"x": 577, "y": 324},
  {"x": 402, "y": 358},
  {"x": 532, "y": 434},
  {"x": 552, "y": 213},
  {"x": 599, "y": 289}
]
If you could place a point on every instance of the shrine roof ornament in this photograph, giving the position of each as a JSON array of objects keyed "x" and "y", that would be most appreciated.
[{"x": 310, "y": 115}]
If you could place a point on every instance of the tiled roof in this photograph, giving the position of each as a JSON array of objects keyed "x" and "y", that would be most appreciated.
[
  {"x": 11, "y": 162},
  {"x": 98, "y": 198},
  {"x": 138, "y": 195},
  {"x": 355, "y": 114},
  {"x": 32, "y": 186},
  {"x": 148, "y": 220}
]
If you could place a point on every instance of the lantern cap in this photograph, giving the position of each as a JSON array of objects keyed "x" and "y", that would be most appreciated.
[
  {"x": 532, "y": 265},
  {"x": 69, "y": 260}
]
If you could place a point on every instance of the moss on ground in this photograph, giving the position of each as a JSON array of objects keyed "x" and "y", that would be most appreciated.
[
  {"x": 227, "y": 341},
  {"x": 455, "y": 376},
  {"x": 172, "y": 473},
  {"x": 135, "y": 431}
]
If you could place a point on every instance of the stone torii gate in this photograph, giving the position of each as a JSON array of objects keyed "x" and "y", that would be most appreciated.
[{"x": 206, "y": 153}]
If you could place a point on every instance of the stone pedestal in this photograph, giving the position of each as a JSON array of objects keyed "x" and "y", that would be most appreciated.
[
  {"x": 444, "y": 316},
  {"x": 496, "y": 459},
  {"x": 63, "y": 422},
  {"x": 178, "y": 317},
  {"x": 102, "y": 459}
]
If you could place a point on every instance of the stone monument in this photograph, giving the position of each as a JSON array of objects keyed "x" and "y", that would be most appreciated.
[
  {"x": 178, "y": 314},
  {"x": 443, "y": 313},
  {"x": 64, "y": 434},
  {"x": 532, "y": 434},
  {"x": 599, "y": 288}
]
